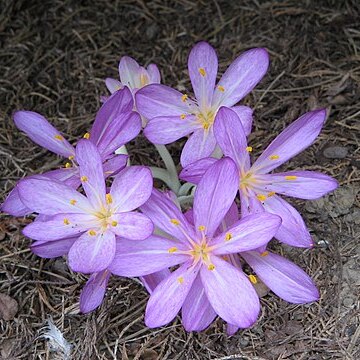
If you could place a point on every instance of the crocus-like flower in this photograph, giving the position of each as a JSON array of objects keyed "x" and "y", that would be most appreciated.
[
  {"x": 258, "y": 189},
  {"x": 204, "y": 280},
  {"x": 173, "y": 115},
  {"x": 115, "y": 125},
  {"x": 95, "y": 219},
  {"x": 133, "y": 76}
]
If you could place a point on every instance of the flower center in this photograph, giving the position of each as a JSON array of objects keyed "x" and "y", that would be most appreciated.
[{"x": 206, "y": 119}]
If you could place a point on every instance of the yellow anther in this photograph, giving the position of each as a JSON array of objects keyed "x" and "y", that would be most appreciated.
[
  {"x": 253, "y": 279},
  {"x": 202, "y": 72},
  {"x": 206, "y": 126},
  {"x": 261, "y": 197},
  {"x": 249, "y": 149},
  {"x": 73, "y": 201},
  {"x": 201, "y": 228},
  {"x": 86, "y": 135},
  {"x": 92, "y": 232},
  {"x": 182, "y": 116},
  {"x": 221, "y": 88},
  {"x": 68, "y": 165},
  {"x": 180, "y": 279},
  {"x": 59, "y": 137},
  {"x": 184, "y": 98},
  {"x": 274, "y": 157},
  {"x": 265, "y": 253},
  {"x": 172, "y": 250},
  {"x": 225, "y": 257},
  {"x": 211, "y": 267},
  {"x": 109, "y": 199},
  {"x": 71, "y": 157},
  {"x": 66, "y": 221},
  {"x": 290, "y": 177},
  {"x": 114, "y": 223},
  {"x": 271, "y": 193},
  {"x": 144, "y": 80},
  {"x": 228, "y": 236},
  {"x": 175, "y": 221},
  {"x": 84, "y": 178}
]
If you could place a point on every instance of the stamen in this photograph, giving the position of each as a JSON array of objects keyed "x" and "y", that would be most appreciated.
[
  {"x": 274, "y": 157},
  {"x": 249, "y": 149},
  {"x": 175, "y": 221},
  {"x": 59, "y": 137},
  {"x": 290, "y": 177},
  {"x": 66, "y": 221},
  {"x": 261, "y": 197},
  {"x": 221, "y": 88},
  {"x": 228, "y": 236},
  {"x": 253, "y": 279},
  {"x": 271, "y": 193},
  {"x": 68, "y": 165},
  {"x": 109, "y": 199},
  {"x": 73, "y": 201},
  {"x": 206, "y": 126},
  {"x": 92, "y": 232},
  {"x": 172, "y": 250},
  {"x": 86, "y": 135},
  {"x": 84, "y": 178},
  {"x": 114, "y": 223},
  {"x": 211, "y": 267},
  {"x": 201, "y": 228},
  {"x": 182, "y": 116},
  {"x": 184, "y": 98},
  {"x": 265, "y": 253},
  {"x": 71, "y": 157},
  {"x": 180, "y": 279},
  {"x": 202, "y": 71}
]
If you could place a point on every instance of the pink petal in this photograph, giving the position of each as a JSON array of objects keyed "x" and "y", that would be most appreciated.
[
  {"x": 214, "y": 195},
  {"x": 52, "y": 249},
  {"x": 197, "y": 313},
  {"x": 291, "y": 141},
  {"x": 201, "y": 144},
  {"x": 151, "y": 281},
  {"x": 167, "y": 129},
  {"x": 131, "y": 188},
  {"x": 300, "y": 184},
  {"x": 168, "y": 297},
  {"x": 13, "y": 204},
  {"x": 203, "y": 66},
  {"x": 247, "y": 234},
  {"x": 113, "y": 85},
  {"x": 159, "y": 100},
  {"x": 93, "y": 292},
  {"x": 244, "y": 73},
  {"x": 195, "y": 171},
  {"x": 115, "y": 164},
  {"x": 68, "y": 176},
  {"x": 283, "y": 277},
  {"x": 38, "y": 129},
  {"x": 91, "y": 172},
  {"x": 91, "y": 254},
  {"x": 293, "y": 230},
  {"x": 132, "y": 225},
  {"x": 230, "y": 293},
  {"x": 250, "y": 204},
  {"x": 245, "y": 115},
  {"x": 231, "y": 138},
  {"x": 165, "y": 215},
  {"x": 144, "y": 257},
  {"x": 231, "y": 329},
  {"x": 50, "y": 197},
  {"x": 128, "y": 71},
  {"x": 154, "y": 74}
]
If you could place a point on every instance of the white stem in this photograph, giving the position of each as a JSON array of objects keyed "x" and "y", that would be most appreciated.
[
  {"x": 185, "y": 189},
  {"x": 164, "y": 176}
]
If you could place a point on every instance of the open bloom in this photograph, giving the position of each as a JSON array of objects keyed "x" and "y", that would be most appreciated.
[
  {"x": 94, "y": 220},
  {"x": 115, "y": 125},
  {"x": 258, "y": 188},
  {"x": 133, "y": 76},
  {"x": 204, "y": 280},
  {"x": 173, "y": 115}
]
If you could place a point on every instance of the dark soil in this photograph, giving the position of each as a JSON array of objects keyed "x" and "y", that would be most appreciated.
[{"x": 54, "y": 56}]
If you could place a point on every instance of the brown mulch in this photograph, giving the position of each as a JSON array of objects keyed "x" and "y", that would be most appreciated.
[{"x": 54, "y": 56}]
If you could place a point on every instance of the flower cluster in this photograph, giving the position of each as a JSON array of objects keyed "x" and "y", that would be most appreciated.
[{"x": 190, "y": 245}]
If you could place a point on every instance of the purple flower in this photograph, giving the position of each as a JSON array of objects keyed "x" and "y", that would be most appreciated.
[
  {"x": 115, "y": 125},
  {"x": 133, "y": 76},
  {"x": 93, "y": 220},
  {"x": 258, "y": 189},
  {"x": 173, "y": 115},
  {"x": 204, "y": 280}
]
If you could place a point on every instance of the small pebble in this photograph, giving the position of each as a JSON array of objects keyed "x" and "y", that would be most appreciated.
[{"x": 335, "y": 152}]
